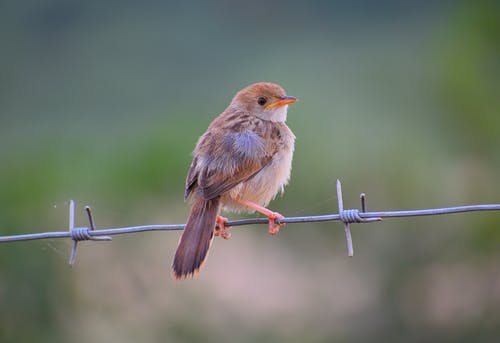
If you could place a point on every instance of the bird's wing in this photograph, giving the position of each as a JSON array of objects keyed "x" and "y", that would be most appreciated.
[
  {"x": 231, "y": 158},
  {"x": 191, "y": 178}
]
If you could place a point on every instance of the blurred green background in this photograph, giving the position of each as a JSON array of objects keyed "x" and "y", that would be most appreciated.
[{"x": 102, "y": 102}]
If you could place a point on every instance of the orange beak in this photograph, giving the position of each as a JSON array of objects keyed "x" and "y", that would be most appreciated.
[{"x": 284, "y": 100}]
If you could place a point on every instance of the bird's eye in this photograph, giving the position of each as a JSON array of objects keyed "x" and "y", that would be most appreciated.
[{"x": 261, "y": 101}]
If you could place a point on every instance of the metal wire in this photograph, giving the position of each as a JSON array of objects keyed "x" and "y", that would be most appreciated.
[{"x": 347, "y": 216}]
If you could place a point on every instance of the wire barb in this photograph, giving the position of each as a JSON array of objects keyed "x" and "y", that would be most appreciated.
[
  {"x": 89, "y": 216},
  {"x": 351, "y": 216},
  {"x": 362, "y": 197},
  {"x": 81, "y": 233},
  {"x": 344, "y": 218}
]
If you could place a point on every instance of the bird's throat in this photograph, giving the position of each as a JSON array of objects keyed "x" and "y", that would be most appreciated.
[{"x": 278, "y": 114}]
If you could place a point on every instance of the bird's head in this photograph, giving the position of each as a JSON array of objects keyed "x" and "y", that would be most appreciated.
[{"x": 265, "y": 100}]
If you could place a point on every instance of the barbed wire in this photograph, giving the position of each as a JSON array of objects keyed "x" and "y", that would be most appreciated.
[{"x": 347, "y": 216}]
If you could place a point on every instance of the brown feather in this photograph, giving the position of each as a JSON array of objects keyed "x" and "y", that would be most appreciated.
[
  {"x": 196, "y": 238},
  {"x": 228, "y": 156}
]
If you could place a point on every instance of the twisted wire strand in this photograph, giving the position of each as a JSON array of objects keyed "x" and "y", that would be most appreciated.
[
  {"x": 346, "y": 216},
  {"x": 252, "y": 221}
]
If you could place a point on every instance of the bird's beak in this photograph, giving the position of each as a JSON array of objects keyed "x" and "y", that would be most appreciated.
[{"x": 284, "y": 100}]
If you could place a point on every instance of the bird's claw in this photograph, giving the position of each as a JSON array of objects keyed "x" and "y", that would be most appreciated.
[
  {"x": 274, "y": 227},
  {"x": 222, "y": 229}
]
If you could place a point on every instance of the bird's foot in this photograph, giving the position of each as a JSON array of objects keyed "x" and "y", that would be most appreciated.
[
  {"x": 274, "y": 227},
  {"x": 222, "y": 229}
]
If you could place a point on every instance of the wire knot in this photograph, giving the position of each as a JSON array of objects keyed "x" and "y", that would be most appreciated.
[
  {"x": 350, "y": 216},
  {"x": 80, "y": 234}
]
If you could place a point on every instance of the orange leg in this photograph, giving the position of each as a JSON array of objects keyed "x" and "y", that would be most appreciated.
[
  {"x": 274, "y": 227},
  {"x": 221, "y": 228}
]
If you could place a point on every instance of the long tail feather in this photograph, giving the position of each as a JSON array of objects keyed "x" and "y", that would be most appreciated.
[{"x": 196, "y": 238}]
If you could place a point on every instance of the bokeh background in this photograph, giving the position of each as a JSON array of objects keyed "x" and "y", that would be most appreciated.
[{"x": 102, "y": 102}]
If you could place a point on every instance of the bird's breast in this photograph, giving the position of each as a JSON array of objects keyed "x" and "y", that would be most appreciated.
[{"x": 271, "y": 179}]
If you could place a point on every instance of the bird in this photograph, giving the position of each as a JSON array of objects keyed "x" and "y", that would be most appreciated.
[{"x": 240, "y": 164}]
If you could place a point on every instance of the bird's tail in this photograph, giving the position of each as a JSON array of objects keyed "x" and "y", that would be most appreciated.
[{"x": 196, "y": 238}]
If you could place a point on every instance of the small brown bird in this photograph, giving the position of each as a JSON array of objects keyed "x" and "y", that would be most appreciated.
[{"x": 239, "y": 164}]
